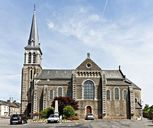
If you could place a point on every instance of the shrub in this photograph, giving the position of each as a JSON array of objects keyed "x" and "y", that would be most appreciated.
[
  {"x": 68, "y": 111},
  {"x": 46, "y": 112}
]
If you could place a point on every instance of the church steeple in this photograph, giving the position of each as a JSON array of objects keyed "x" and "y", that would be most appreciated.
[
  {"x": 31, "y": 68},
  {"x": 34, "y": 38},
  {"x": 33, "y": 51}
]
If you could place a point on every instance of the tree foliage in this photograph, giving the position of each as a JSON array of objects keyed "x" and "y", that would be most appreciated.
[
  {"x": 68, "y": 111},
  {"x": 65, "y": 101},
  {"x": 46, "y": 112},
  {"x": 148, "y": 112}
]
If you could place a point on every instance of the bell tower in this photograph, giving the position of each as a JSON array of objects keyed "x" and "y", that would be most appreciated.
[{"x": 31, "y": 67}]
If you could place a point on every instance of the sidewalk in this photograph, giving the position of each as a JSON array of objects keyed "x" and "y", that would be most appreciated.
[{"x": 147, "y": 122}]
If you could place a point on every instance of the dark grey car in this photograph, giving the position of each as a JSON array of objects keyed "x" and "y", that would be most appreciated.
[{"x": 17, "y": 119}]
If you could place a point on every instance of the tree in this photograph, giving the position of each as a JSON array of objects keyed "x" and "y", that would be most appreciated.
[
  {"x": 148, "y": 112},
  {"x": 65, "y": 101},
  {"x": 146, "y": 108},
  {"x": 46, "y": 112},
  {"x": 68, "y": 111},
  {"x": 151, "y": 112}
]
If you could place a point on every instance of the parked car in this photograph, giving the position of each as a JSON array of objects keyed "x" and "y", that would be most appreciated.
[
  {"x": 89, "y": 116},
  {"x": 53, "y": 118},
  {"x": 17, "y": 119}
]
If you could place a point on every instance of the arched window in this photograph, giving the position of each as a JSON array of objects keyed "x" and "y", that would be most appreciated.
[
  {"x": 60, "y": 91},
  {"x": 31, "y": 74},
  {"x": 117, "y": 95},
  {"x": 108, "y": 95},
  {"x": 34, "y": 57},
  {"x": 89, "y": 90},
  {"x": 29, "y": 57},
  {"x": 124, "y": 94},
  {"x": 51, "y": 94}
]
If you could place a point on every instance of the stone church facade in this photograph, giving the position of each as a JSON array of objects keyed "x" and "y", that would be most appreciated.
[{"x": 104, "y": 93}]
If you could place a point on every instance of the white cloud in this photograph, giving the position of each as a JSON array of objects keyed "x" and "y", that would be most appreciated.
[
  {"x": 94, "y": 17},
  {"x": 51, "y": 25},
  {"x": 131, "y": 43}
]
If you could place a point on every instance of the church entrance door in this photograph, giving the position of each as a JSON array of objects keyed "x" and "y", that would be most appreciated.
[{"x": 88, "y": 110}]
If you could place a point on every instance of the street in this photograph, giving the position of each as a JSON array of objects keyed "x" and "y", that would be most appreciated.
[{"x": 4, "y": 123}]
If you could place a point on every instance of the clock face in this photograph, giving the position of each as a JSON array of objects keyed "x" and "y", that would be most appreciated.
[{"x": 88, "y": 65}]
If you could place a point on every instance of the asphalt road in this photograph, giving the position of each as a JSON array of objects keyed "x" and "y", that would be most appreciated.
[{"x": 4, "y": 123}]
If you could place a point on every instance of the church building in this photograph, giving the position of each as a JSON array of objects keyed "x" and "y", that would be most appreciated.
[{"x": 104, "y": 93}]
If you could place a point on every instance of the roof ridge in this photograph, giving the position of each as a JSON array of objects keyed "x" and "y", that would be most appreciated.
[
  {"x": 58, "y": 69},
  {"x": 110, "y": 70}
]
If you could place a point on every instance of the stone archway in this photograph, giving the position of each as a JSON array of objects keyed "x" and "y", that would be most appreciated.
[{"x": 88, "y": 110}]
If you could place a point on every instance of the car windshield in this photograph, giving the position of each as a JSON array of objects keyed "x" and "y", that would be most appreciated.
[
  {"x": 15, "y": 116},
  {"x": 51, "y": 115}
]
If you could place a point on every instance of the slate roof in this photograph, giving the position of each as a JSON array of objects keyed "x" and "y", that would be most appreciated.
[
  {"x": 67, "y": 74},
  {"x": 11, "y": 104},
  {"x": 113, "y": 74},
  {"x": 117, "y": 82},
  {"x": 55, "y": 74},
  {"x": 3, "y": 102},
  {"x": 133, "y": 84},
  {"x": 53, "y": 82},
  {"x": 33, "y": 38}
]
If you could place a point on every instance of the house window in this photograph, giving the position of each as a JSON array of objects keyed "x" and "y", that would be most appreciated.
[
  {"x": 108, "y": 95},
  {"x": 51, "y": 94},
  {"x": 60, "y": 91},
  {"x": 89, "y": 90},
  {"x": 117, "y": 95},
  {"x": 29, "y": 57},
  {"x": 34, "y": 57}
]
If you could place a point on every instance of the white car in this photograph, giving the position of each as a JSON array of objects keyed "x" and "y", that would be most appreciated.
[
  {"x": 89, "y": 117},
  {"x": 53, "y": 118}
]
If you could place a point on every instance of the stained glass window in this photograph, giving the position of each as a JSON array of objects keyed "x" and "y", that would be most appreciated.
[
  {"x": 89, "y": 90},
  {"x": 116, "y": 93},
  {"x": 60, "y": 91},
  {"x": 108, "y": 94},
  {"x": 124, "y": 94},
  {"x": 51, "y": 94}
]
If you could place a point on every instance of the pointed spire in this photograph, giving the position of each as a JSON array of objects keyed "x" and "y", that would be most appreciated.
[{"x": 33, "y": 38}]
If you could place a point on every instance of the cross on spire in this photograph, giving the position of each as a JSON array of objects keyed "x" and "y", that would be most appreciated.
[
  {"x": 88, "y": 55},
  {"x": 34, "y": 8}
]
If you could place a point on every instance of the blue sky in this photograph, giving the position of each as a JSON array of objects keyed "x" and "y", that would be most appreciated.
[{"x": 115, "y": 32}]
